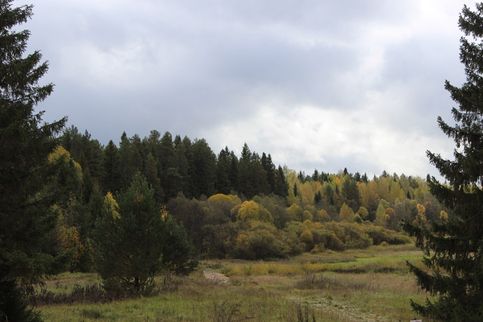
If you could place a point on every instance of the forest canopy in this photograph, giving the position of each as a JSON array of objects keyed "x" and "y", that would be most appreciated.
[{"x": 237, "y": 206}]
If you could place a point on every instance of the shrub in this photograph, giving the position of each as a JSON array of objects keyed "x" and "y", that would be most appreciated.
[
  {"x": 260, "y": 241},
  {"x": 251, "y": 210},
  {"x": 379, "y": 235}
]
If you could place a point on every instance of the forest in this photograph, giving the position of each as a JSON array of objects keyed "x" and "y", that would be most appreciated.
[{"x": 231, "y": 206}]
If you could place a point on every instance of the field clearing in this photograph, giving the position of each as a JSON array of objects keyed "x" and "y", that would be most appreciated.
[{"x": 356, "y": 285}]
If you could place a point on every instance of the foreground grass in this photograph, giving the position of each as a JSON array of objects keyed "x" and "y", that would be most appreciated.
[{"x": 357, "y": 285}]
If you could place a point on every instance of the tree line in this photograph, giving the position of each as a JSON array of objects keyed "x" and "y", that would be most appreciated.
[
  {"x": 230, "y": 206},
  {"x": 172, "y": 165}
]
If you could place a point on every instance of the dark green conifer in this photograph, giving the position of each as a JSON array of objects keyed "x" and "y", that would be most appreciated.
[
  {"x": 26, "y": 250},
  {"x": 453, "y": 246}
]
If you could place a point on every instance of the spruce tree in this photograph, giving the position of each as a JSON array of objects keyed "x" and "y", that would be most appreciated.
[
  {"x": 453, "y": 246},
  {"x": 222, "y": 183},
  {"x": 26, "y": 223},
  {"x": 112, "y": 171},
  {"x": 128, "y": 240}
]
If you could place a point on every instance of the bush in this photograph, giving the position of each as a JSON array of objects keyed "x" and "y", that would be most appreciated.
[
  {"x": 379, "y": 235},
  {"x": 260, "y": 241}
]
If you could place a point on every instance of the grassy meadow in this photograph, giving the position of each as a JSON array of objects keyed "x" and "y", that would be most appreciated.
[{"x": 355, "y": 285}]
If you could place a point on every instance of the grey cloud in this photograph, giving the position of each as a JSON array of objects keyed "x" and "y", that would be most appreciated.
[{"x": 190, "y": 66}]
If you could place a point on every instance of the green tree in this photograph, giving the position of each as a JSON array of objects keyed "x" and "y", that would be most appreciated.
[
  {"x": 281, "y": 187},
  {"x": 151, "y": 174},
  {"x": 112, "y": 172},
  {"x": 177, "y": 252},
  {"x": 203, "y": 168},
  {"x": 128, "y": 240},
  {"x": 134, "y": 241},
  {"x": 454, "y": 247},
  {"x": 270, "y": 171},
  {"x": 26, "y": 225},
  {"x": 350, "y": 193},
  {"x": 182, "y": 151},
  {"x": 244, "y": 174},
  {"x": 223, "y": 164}
]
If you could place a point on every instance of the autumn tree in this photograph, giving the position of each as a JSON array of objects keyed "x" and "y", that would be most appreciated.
[
  {"x": 453, "y": 247},
  {"x": 26, "y": 224},
  {"x": 346, "y": 213}
]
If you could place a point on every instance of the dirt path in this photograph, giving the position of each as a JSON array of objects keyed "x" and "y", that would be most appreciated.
[
  {"x": 345, "y": 311},
  {"x": 215, "y": 277}
]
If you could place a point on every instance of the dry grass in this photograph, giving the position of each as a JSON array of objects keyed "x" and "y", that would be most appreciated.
[{"x": 364, "y": 285}]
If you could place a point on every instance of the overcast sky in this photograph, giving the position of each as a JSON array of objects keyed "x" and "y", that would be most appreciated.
[{"x": 318, "y": 84}]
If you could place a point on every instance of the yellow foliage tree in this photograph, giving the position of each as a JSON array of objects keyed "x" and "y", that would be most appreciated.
[
  {"x": 321, "y": 216},
  {"x": 251, "y": 210},
  {"x": 346, "y": 213},
  {"x": 421, "y": 216},
  {"x": 111, "y": 206},
  {"x": 381, "y": 213},
  {"x": 221, "y": 198},
  {"x": 363, "y": 213},
  {"x": 306, "y": 237},
  {"x": 307, "y": 215},
  {"x": 295, "y": 212},
  {"x": 61, "y": 155},
  {"x": 443, "y": 215}
]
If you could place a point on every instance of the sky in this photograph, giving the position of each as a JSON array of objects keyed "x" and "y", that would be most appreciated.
[{"x": 317, "y": 84}]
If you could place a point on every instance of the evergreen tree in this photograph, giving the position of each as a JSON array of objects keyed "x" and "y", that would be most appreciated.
[
  {"x": 315, "y": 175},
  {"x": 26, "y": 223},
  {"x": 126, "y": 157},
  {"x": 128, "y": 240},
  {"x": 350, "y": 193},
  {"x": 244, "y": 175},
  {"x": 181, "y": 149},
  {"x": 223, "y": 184},
  {"x": 281, "y": 186},
  {"x": 453, "y": 246},
  {"x": 112, "y": 172},
  {"x": 317, "y": 198},
  {"x": 203, "y": 165},
  {"x": 258, "y": 177},
  {"x": 134, "y": 241},
  {"x": 171, "y": 179},
  {"x": 151, "y": 174},
  {"x": 270, "y": 170}
]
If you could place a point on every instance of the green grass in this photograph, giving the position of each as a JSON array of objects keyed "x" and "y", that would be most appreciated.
[{"x": 358, "y": 285}]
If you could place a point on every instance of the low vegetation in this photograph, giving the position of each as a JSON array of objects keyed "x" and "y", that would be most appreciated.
[{"x": 372, "y": 284}]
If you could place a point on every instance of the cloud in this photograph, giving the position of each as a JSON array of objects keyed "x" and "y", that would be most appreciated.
[
  {"x": 309, "y": 137},
  {"x": 323, "y": 84}
]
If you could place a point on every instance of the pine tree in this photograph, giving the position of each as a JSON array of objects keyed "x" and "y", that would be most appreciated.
[
  {"x": 244, "y": 176},
  {"x": 270, "y": 170},
  {"x": 203, "y": 165},
  {"x": 181, "y": 150},
  {"x": 112, "y": 172},
  {"x": 25, "y": 141},
  {"x": 453, "y": 246},
  {"x": 281, "y": 187},
  {"x": 222, "y": 172},
  {"x": 134, "y": 241}
]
